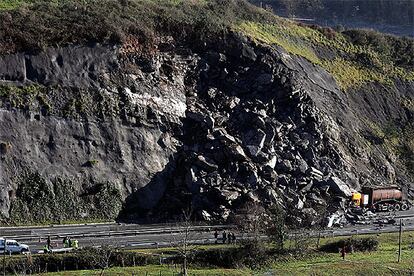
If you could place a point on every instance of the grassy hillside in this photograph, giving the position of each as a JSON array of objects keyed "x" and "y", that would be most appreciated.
[
  {"x": 352, "y": 64},
  {"x": 353, "y": 58}
]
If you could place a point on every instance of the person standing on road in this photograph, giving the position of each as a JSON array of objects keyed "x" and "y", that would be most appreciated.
[
  {"x": 216, "y": 234},
  {"x": 65, "y": 242},
  {"x": 75, "y": 244},
  {"x": 224, "y": 236},
  {"x": 48, "y": 243}
]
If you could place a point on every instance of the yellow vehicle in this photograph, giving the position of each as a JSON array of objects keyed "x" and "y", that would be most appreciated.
[{"x": 356, "y": 199}]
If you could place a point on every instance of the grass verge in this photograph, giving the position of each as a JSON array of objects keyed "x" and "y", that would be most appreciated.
[
  {"x": 311, "y": 262},
  {"x": 156, "y": 270}
]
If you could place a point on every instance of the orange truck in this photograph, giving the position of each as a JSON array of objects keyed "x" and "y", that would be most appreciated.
[{"x": 381, "y": 199}]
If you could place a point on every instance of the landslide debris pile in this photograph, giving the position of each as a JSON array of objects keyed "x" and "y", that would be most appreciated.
[{"x": 140, "y": 109}]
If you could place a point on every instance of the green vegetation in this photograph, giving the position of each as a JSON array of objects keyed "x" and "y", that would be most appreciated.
[
  {"x": 41, "y": 202},
  {"x": 24, "y": 97},
  {"x": 353, "y": 57},
  {"x": 408, "y": 104},
  {"x": 378, "y": 263},
  {"x": 354, "y": 63},
  {"x": 351, "y": 74},
  {"x": 9, "y": 4},
  {"x": 157, "y": 270},
  {"x": 279, "y": 34},
  {"x": 396, "y": 139},
  {"x": 63, "y": 102},
  {"x": 352, "y": 244},
  {"x": 398, "y": 49},
  {"x": 91, "y": 163},
  {"x": 87, "y": 258},
  {"x": 112, "y": 21},
  {"x": 307, "y": 262},
  {"x": 311, "y": 262}
]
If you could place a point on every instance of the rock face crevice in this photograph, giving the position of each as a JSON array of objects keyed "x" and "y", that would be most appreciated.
[{"x": 210, "y": 128}]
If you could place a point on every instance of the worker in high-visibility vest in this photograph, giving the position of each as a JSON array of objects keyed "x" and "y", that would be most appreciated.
[
  {"x": 75, "y": 244},
  {"x": 66, "y": 244}
]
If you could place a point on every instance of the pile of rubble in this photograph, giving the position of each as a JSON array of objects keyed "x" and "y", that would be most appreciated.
[{"x": 252, "y": 134}]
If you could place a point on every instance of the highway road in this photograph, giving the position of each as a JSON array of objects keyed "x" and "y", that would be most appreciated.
[
  {"x": 111, "y": 234},
  {"x": 162, "y": 235}
]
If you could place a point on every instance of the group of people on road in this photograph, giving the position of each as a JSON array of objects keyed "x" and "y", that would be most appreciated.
[
  {"x": 67, "y": 243},
  {"x": 229, "y": 237}
]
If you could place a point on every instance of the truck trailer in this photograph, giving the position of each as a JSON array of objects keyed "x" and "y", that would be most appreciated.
[{"x": 381, "y": 199}]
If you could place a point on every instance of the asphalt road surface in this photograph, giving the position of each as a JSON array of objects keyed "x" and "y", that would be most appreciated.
[
  {"x": 162, "y": 235},
  {"x": 111, "y": 234}
]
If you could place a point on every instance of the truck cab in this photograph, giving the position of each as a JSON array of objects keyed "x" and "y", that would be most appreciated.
[{"x": 356, "y": 199}]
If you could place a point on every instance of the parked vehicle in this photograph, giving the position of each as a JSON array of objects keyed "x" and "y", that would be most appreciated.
[
  {"x": 12, "y": 246},
  {"x": 381, "y": 199}
]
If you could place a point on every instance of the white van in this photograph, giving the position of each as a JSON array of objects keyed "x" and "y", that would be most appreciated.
[{"x": 12, "y": 246}]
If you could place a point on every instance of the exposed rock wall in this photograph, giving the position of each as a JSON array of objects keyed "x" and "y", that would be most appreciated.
[{"x": 92, "y": 132}]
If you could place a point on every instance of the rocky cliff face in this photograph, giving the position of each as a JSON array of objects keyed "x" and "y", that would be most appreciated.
[
  {"x": 87, "y": 141},
  {"x": 106, "y": 132}
]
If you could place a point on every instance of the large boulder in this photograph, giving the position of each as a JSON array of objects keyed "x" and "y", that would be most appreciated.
[
  {"x": 339, "y": 187},
  {"x": 254, "y": 141}
]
